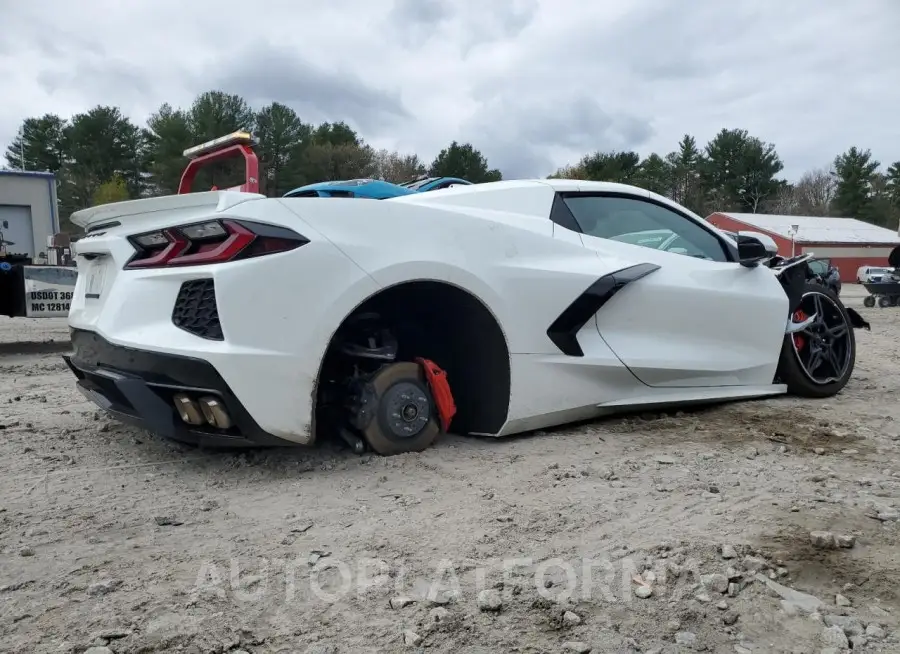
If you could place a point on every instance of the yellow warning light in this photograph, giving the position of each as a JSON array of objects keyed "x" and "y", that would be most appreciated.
[{"x": 238, "y": 137}]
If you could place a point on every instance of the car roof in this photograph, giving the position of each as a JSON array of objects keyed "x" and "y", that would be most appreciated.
[
  {"x": 530, "y": 196},
  {"x": 555, "y": 184}
]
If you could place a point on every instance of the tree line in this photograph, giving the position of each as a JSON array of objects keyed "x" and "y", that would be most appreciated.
[
  {"x": 102, "y": 156},
  {"x": 738, "y": 172}
]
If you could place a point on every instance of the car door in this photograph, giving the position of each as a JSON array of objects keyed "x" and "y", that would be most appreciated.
[{"x": 682, "y": 312}]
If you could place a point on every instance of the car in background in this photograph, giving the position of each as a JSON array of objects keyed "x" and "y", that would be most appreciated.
[
  {"x": 820, "y": 266},
  {"x": 374, "y": 189},
  {"x": 871, "y": 274},
  {"x": 827, "y": 274},
  {"x": 423, "y": 184}
]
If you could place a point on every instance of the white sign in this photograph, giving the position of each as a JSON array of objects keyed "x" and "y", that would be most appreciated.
[{"x": 48, "y": 291}]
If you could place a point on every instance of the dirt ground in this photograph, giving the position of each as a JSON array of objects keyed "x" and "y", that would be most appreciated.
[{"x": 658, "y": 533}]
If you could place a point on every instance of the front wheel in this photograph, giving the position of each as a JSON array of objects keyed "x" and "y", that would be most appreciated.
[{"x": 818, "y": 361}]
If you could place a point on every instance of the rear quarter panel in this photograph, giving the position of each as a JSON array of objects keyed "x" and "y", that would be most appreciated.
[{"x": 507, "y": 258}]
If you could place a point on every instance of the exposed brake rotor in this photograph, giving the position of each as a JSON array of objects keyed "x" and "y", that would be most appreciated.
[{"x": 397, "y": 410}]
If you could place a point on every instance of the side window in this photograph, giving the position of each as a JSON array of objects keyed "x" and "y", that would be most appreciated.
[{"x": 644, "y": 223}]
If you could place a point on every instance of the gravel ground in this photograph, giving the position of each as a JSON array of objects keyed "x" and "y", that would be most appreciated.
[
  {"x": 21, "y": 335},
  {"x": 688, "y": 531}
]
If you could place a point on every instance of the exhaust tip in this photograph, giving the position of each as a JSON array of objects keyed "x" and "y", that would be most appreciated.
[
  {"x": 214, "y": 412},
  {"x": 188, "y": 410}
]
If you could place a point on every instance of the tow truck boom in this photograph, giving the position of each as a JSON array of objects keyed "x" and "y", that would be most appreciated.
[{"x": 234, "y": 145}]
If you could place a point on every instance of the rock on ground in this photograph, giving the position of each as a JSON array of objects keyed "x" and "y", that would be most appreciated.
[
  {"x": 490, "y": 600},
  {"x": 834, "y": 637}
]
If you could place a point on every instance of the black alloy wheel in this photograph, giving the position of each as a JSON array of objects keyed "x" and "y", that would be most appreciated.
[
  {"x": 824, "y": 348},
  {"x": 818, "y": 360}
]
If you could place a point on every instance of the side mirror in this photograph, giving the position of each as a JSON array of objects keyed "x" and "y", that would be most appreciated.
[{"x": 754, "y": 247}]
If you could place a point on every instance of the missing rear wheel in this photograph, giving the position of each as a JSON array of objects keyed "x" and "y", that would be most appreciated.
[{"x": 402, "y": 417}]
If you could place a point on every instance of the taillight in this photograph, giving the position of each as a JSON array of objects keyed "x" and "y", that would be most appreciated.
[{"x": 213, "y": 241}]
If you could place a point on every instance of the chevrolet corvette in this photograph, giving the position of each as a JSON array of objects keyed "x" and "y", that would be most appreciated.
[{"x": 229, "y": 318}]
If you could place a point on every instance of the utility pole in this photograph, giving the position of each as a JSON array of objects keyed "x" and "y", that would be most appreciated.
[{"x": 22, "y": 146}]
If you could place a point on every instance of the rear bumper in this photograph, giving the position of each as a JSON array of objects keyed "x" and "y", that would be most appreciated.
[{"x": 136, "y": 387}]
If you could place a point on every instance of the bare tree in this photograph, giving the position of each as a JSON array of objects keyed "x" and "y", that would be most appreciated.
[
  {"x": 785, "y": 202},
  {"x": 569, "y": 172},
  {"x": 395, "y": 167},
  {"x": 754, "y": 195},
  {"x": 815, "y": 192}
]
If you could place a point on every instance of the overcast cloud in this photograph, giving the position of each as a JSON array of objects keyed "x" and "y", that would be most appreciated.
[{"x": 534, "y": 84}]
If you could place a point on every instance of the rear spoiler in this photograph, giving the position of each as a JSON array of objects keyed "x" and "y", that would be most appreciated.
[{"x": 94, "y": 217}]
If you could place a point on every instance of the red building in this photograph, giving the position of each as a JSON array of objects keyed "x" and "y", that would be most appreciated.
[{"x": 848, "y": 243}]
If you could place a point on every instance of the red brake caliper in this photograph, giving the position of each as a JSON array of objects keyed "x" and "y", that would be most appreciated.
[
  {"x": 799, "y": 341},
  {"x": 440, "y": 390}
]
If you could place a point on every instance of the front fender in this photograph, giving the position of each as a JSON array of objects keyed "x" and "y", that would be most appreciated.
[{"x": 793, "y": 280}]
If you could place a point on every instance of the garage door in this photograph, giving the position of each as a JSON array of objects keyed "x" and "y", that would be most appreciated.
[{"x": 15, "y": 223}]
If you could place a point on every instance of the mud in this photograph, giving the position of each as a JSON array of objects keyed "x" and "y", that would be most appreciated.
[{"x": 110, "y": 537}]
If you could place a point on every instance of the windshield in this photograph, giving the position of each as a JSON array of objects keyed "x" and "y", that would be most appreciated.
[
  {"x": 418, "y": 183},
  {"x": 651, "y": 238},
  {"x": 819, "y": 266},
  {"x": 661, "y": 239}
]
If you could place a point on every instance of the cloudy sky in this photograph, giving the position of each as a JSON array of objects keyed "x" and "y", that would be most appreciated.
[{"x": 533, "y": 83}]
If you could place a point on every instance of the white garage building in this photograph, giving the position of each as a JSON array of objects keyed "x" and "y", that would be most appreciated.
[{"x": 28, "y": 211}]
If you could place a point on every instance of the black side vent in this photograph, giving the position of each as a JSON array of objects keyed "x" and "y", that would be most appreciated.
[
  {"x": 195, "y": 309},
  {"x": 564, "y": 330}
]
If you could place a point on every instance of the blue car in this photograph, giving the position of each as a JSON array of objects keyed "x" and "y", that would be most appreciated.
[
  {"x": 423, "y": 184},
  {"x": 372, "y": 189}
]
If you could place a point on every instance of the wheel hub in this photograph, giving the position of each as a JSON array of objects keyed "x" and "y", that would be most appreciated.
[
  {"x": 392, "y": 409},
  {"x": 405, "y": 409},
  {"x": 409, "y": 413}
]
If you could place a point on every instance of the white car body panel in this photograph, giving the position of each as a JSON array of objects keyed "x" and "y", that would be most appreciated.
[
  {"x": 693, "y": 331},
  {"x": 734, "y": 323}
]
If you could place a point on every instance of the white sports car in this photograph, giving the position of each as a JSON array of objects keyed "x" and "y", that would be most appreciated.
[{"x": 492, "y": 309}]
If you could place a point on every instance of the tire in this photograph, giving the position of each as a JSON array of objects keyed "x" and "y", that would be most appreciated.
[
  {"x": 792, "y": 372},
  {"x": 884, "y": 301},
  {"x": 869, "y": 301},
  {"x": 390, "y": 385}
]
